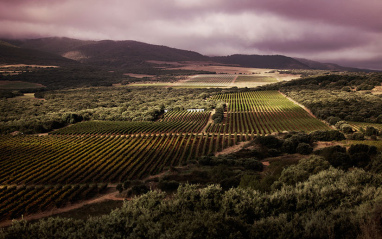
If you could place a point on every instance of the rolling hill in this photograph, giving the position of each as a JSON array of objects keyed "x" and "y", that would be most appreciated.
[
  {"x": 123, "y": 54},
  {"x": 11, "y": 54}
]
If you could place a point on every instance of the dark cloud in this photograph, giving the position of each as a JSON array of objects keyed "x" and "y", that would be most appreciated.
[{"x": 342, "y": 31}]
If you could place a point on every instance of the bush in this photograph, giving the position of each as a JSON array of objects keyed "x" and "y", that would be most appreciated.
[
  {"x": 304, "y": 148},
  {"x": 119, "y": 187},
  {"x": 303, "y": 170},
  {"x": 370, "y": 130},
  {"x": 358, "y": 136},
  {"x": 138, "y": 189},
  {"x": 328, "y": 135},
  {"x": 361, "y": 148},
  {"x": 340, "y": 160},
  {"x": 251, "y": 164},
  {"x": 339, "y": 123},
  {"x": 360, "y": 160},
  {"x": 332, "y": 120},
  {"x": 346, "y": 128},
  {"x": 269, "y": 141},
  {"x": 165, "y": 185}
]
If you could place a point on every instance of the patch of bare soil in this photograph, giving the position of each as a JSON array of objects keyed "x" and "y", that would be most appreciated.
[
  {"x": 377, "y": 90},
  {"x": 324, "y": 144},
  {"x": 210, "y": 121},
  {"x": 232, "y": 149}
]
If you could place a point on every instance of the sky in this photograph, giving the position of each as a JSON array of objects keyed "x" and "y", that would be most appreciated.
[{"x": 347, "y": 32}]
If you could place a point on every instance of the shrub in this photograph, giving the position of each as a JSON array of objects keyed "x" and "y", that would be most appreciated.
[
  {"x": 302, "y": 171},
  {"x": 165, "y": 185},
  {"x": 269, "y": 141},
  {"x": 328, "y": 135},
  {"x": 358, "y": 136},
  {"x": 304, "y": 148},
  {"x": 346, "y": 128},
  {"x": 370, "y": 130},
  {"x": 332, "y": 120}
]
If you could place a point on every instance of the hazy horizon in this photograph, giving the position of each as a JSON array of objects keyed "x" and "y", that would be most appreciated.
[{"x": 343, "y": 32}]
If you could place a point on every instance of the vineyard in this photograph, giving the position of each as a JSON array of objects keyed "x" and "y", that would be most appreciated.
[
  {"x": 68, "y": 159},
  {"x": 358, "y": 125},
  {"x": 263, "y": 112},
  {"x": 17, "y": 201},
  {"x": 103, "y": 152},
  {"x": 171, "y": 122}
]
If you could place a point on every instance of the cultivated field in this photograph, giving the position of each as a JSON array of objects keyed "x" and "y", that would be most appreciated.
[
  {"x": 264, "y": 112},
  {"x": 77, "y": 162},
  {"x": 362, "y": 125}
]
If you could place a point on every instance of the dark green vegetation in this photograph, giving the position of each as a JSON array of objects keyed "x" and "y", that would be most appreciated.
[
  {"x": 106, "y": 103},
  {"x": 170, "y": 122},
  {"x": 10, "y": 54},
  {"x": 325, "y": 203}
]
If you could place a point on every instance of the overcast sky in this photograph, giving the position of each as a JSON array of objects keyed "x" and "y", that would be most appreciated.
[{"x": 348, "y": 32}]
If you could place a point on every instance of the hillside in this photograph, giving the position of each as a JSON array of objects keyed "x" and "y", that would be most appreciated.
[
  {"x": 109, "y": 53},
  {"x": 10, "y": 54},
  {"x": 326, "y": 66},
  {"x": 259, "y": 61},
  {"x": 123, "y": 54}
]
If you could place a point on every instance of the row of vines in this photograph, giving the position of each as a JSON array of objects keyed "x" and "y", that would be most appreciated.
[
  {"x": 18, "y": 201},
  {"x": 263, "y": 112},
  {"x": 171, "y": 122},
  {"x": 70, "y": 159}
]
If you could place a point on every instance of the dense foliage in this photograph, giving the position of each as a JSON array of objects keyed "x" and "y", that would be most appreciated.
[
  {"x": 105, "y": 103},
  {"x": 329, "y": 204}
]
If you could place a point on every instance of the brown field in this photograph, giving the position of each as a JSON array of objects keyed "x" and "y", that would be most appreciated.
[{"x": 16, "y": 85}]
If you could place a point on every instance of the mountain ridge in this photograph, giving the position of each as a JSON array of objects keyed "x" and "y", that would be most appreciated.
[{"x": 120, "y": 54}]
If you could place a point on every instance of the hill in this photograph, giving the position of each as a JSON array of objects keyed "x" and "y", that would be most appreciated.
[
  {"x": 260, "y": 61},
  {"x": 11, "y": 54},
  {"x": 109, "y": 53},
  {"x": 127, "y": 54},
  {"x": 327, "y": 66}
]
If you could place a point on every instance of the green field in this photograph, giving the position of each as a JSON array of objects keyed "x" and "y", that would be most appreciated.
[{"x": 263, "y": 112}]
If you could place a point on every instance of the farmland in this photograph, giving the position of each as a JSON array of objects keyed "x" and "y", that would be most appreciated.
[
  {"x": 171, "y": 122},
  {"x": 105, "y": 152},
  {"x": 86, "y": 159},
  {"x": 359, "y": 126},
  {"x": 263, "y": 113},
  {"x": 208, "y": 81}
]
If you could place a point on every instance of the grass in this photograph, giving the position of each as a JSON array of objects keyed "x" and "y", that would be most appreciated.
[{"x": 376, "y": 143}]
